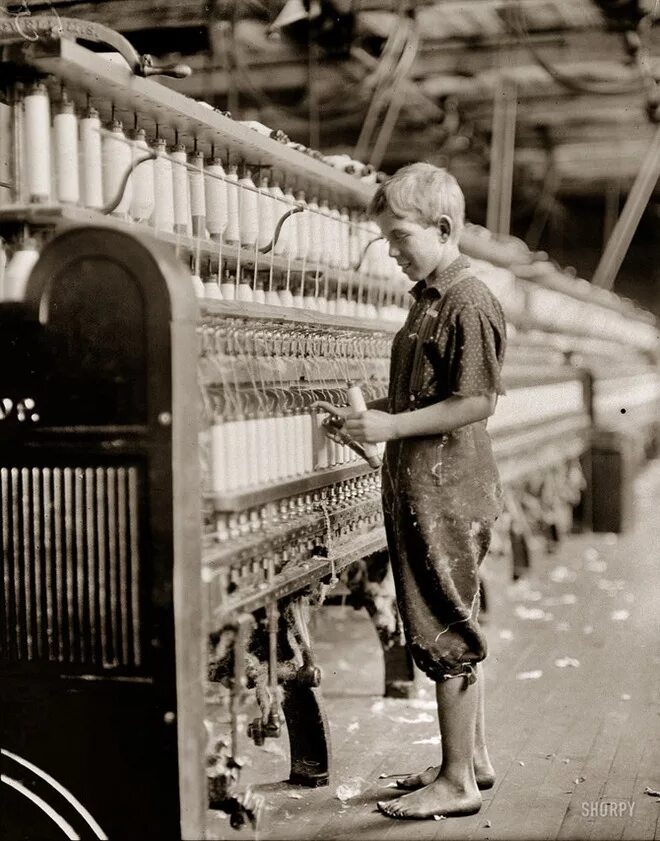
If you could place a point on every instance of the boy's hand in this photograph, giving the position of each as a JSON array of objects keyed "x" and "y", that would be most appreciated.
[
  {"x": 342, "y": 412},
  {"x": 371, "y": 427}
]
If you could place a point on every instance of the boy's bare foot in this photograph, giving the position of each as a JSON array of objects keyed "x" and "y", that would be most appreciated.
[
  {"x": 483, "y": 771},
  {"x": 441, "y": 797}
]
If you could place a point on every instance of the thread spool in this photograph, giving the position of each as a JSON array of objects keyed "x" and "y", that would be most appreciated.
[
  {"x": 215, "y": 188},
  {"x": 258, "y": 293},
  {"x": 248, "y": 210},
  {"x": 320, "y": 442},
  {"x": 357, "y": 404},
  {"x": 308, "y": 442},
  {"x": 299, "y": 443},
  {"x": 354, "y": 239},
  {"x": 232, "y": 231},
  {"x": 291, "y": 224},
  {"x": 345, "y": 238},
  {"x": 162, "y": 218},
  {"x": 211, "y": 288},
  {"x": 180, "y": 189},
  {"x": 244, "y": 292},
  {"x": 298, "y": 302},
  {"x": 279, "y": 209},
  {"x": 265, "y": 206},
  {"x": 91, "y": 170},
  {"x": 143, "y": 198},
  {"x": 310, "y": 302},
  {"x": 117, "y": 159},
  {"x": 228, "y": 288},
  {"x": 286, "y": 298},
  {"x": 325, "y": 222},
  {"x": 235, "y": 451},
  {"x": 197, "y": 195},
  {"x": 282, "y": 445},
  {"x": 272, "y": 298},
  {"x": 302, "y": 228},
  {"x": 65, "y": 135},
  {"x": 336, "y": 253},
  {"x": 37, "y": 143},
  {"x": 265, "y": 462},
  {"x": 198, "y": 286},
  {"x": 219, "y": 466},
  {"x": 18, "y": 270},
  {"x": 314, "y": 227},
  {"x": 253, "y": 451}
]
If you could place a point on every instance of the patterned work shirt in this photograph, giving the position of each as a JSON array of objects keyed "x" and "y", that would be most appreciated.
[{"x": 462, "y": 356}]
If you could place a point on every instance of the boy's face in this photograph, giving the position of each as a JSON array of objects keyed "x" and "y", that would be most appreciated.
[{"x": 417, "y": 249}]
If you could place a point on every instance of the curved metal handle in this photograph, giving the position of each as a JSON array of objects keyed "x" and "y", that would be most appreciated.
[
  {"x": 358, "y": 265},
  {"x": 278, "y": 229},
  {"x": 114, "y": 202}
]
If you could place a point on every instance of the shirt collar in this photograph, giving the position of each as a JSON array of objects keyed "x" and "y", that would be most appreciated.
[{"x": 437, "y": 285}]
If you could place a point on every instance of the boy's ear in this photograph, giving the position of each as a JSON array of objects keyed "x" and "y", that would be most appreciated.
[{"x": 444, "y": 226}]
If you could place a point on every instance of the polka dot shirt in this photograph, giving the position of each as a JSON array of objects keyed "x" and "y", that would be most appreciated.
[{"x": 464, "y": 349}]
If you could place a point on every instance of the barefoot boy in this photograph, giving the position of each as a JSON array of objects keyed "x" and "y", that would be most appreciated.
[{"x": 441, "y": 492}]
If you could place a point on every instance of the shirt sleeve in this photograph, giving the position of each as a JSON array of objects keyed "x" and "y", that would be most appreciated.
[{"x": 476, "y": 351}]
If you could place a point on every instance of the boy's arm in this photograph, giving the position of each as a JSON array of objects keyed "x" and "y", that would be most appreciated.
[{"x": 374, "y": 426}]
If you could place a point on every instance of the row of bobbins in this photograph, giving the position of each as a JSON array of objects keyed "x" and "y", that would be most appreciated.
[
  {"x": 181, "y": 192},
  {"x": 260, "y": 450}
]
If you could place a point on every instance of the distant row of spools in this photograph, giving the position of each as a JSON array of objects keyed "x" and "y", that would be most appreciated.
[
  {"x": 75, "y": 160},
  {"x": 310, "y": 292}
]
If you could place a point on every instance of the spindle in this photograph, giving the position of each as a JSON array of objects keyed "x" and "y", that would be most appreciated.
[
  {"x": 37, "y": 143},
  {"x": 65, "y": 131}
]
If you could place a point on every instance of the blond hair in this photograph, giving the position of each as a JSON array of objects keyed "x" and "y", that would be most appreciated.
[{"x": 424, "y": 192}]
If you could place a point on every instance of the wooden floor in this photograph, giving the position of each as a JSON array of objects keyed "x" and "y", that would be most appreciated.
[{"x": 574, "y": 745}]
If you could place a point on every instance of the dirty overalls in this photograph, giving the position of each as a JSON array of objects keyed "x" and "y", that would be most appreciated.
[{"x": 441, "y": 493}]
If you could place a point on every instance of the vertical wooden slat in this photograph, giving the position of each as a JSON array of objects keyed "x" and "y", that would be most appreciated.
[
  {"x": 62, "y": 577},
  {"x": 123, "y": 562},
  {"x": 18, "y": 591},
  {"x": 71, "y": 569},
  {"x": 113, "y": 565},
  {"x": 79, "y": 528},
  {"x": 6, "y": 572},
  {"x": 101, "y": 534},
  {"x": 34, "y": 526},
  {"x": 24, "y": 526},
  {"x": 52, "y": 630},
  {"x": 90, "y": 543},
  {"x": 134, "y": 556}
]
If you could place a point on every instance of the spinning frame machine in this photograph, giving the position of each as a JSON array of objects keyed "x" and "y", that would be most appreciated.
[{"x": 170, "y": 508}]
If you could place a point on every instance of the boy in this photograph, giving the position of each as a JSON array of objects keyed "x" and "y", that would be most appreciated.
[{"x": 441, "y": 492}]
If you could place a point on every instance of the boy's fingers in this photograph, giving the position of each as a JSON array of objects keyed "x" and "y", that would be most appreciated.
[{"x": 321, "y": 404}]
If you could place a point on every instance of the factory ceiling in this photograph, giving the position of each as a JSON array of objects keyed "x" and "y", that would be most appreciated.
[{"x": 390, "y": 82}]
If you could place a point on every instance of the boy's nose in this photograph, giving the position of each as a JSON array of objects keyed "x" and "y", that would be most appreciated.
[{"x": 393, "y": 251}]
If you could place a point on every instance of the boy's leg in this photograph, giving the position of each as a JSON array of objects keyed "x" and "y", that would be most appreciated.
[
  {"x": 483, "y": 770},
  {"x": 454, "y": 791}
]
